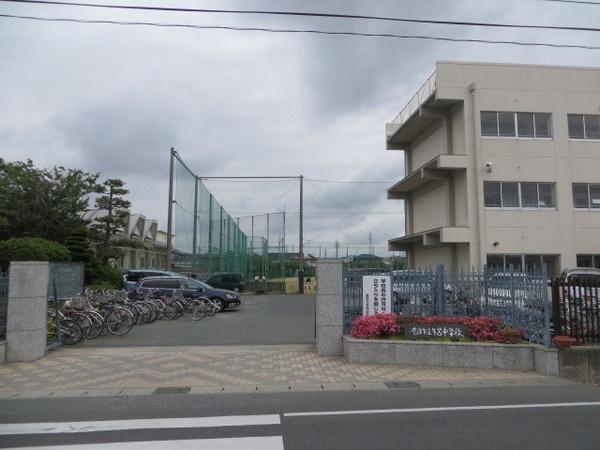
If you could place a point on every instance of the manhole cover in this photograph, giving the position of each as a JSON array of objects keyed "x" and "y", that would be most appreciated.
[
  {"x": 401, "y": 384},
  {"x": 172, "y": 390}
]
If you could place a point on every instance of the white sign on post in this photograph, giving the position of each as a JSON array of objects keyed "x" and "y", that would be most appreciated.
[{"x": 377, "y": 294}]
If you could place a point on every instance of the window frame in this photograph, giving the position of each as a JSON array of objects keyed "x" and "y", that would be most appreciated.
[
  {"x": 589, "y": 206},
  {"x": 520, "y": 196},
  {"x": 584, "y": 138},
  {"x": 516, "y": 126}
]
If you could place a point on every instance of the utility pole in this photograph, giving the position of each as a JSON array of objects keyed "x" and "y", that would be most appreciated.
[
  {"x": 170, "y": 211},
  {"x": 300, "y": 240},
  {"x": 337, "y": 248},
  {"x": 195, "y": 232},
  {"x": 284, "y": 255},
  {"x": 252, "y": 247},
  {"x": 371, "y": 249}
]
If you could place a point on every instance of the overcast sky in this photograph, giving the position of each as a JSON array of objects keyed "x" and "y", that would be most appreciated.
[{"x": 114, "y": 99}]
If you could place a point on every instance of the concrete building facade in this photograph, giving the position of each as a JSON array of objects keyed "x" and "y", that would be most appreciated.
[{"x": 502, "y": 167}]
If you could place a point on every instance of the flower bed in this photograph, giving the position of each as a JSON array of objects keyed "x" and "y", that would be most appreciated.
[{"x": 481, "y": 328}]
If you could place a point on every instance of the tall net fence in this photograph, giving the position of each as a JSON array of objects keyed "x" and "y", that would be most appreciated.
[{"x": 206, "y": 238}]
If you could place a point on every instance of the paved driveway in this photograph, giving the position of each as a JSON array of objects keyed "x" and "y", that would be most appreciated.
[{"x": 260, "y": 320}]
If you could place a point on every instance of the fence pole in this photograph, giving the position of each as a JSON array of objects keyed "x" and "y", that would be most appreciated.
[
  {"x": 544, "y": 282},
  {"x": 440, "y": 306},
  {"x": 556, "y": 315},
  {"x": 486, "y": 286},
  {"x": 512, "y": 292}
]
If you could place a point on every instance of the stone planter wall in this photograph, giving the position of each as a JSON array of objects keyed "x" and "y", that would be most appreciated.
[
  {"x": 523, "y": 357},
  {"x": 580, "y": 364}
]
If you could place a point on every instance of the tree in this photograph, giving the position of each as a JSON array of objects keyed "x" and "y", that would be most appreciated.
[
  {"x": 46, "y": 203},
  {"x": 113, "y": 221},
  {"x": 31, "y": 249}
]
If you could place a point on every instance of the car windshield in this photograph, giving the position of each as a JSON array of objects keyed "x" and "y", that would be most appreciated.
[{"x": 586, "y": 278}]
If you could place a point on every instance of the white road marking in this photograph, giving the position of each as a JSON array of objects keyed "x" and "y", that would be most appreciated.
[
  {"x": 138, "y": 424},
  {"x": 438, "y": 409},
  {"x": 245, "y": 443}
]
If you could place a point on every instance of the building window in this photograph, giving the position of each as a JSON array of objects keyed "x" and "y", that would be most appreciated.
[
  {"x": 500, "y": 194},
  {"x": 491, "y": 193},
  {"x": 510, "y": 195},
  {"x": 586, "y": 195},
  {"x": 519, "y": 263},
  {"x": 512, "y": 124},
  {"x": 584, "y": 126},
  {"x": 588, "y": 261}
]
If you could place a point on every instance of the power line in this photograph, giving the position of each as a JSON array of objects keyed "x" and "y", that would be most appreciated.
[
  {"x": 307, "y": 14},
  {"x": 347, "y": 182},
  {"x": 304, "y": 31},
  {"x": 580, "y": 2}
]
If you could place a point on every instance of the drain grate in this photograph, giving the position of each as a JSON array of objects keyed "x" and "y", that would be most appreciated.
[
  {"x": 401, "y": 384},
  {"x": 172, "y": 390}
]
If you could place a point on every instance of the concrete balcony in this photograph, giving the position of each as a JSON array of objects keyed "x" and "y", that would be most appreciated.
[
  {"x": 422, "y": 111},
  {"x": 431, "y": 238},
  {"x": 435, "y": 169}
]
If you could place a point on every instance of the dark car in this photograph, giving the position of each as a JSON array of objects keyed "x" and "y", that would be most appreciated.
[
  {"x": 230, "y": 281},
  {"x": 190, "y": 288},
  {"x": 131, "y": 277}
]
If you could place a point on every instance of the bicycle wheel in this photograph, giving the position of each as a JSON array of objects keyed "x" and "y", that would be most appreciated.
[
  {"x": 97, "y": 324},
  {"x": 119, "y": 321},
  {"x": 195, "y": 310},
  {"x": 84, "y": 322},
  {"x": 70, "y": 332}
]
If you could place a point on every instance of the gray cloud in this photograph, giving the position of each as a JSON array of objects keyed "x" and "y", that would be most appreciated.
[{"x": 114, "y": 99}]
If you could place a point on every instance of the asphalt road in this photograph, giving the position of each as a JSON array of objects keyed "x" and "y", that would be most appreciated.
[
  {"x": 407, "y": 418},
  {"x": 259, "y": 320}
]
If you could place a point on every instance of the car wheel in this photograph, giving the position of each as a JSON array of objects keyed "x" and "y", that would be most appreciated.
[{"x": 220, "y": 302}]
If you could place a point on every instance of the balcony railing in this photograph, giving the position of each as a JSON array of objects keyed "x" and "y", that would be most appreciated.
[{"x": 424, "y": 92}]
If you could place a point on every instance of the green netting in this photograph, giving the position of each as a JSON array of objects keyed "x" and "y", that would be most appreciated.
[{"x": 207, "y": 239}]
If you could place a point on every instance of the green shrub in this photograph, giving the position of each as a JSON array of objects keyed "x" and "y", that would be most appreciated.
[
  {"x": 102, "y": 275},
  {"x": 31, "y": 249}
]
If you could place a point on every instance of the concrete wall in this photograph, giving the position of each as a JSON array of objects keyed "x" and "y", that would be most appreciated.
[
  {"x": 580, "y": 364},
  {"x": 432, "y": 256},
  {"x": 27, "y": 311},
  {"x": 525, "y": 358},
  {"x": 430, "y": 207},
  {"x": 329, "y": 307},
  {"x": 431, "y": 143}
]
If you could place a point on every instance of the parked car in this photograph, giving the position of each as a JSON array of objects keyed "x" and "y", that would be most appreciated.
[
  {"x": 578, "y": 279},
  {"x": 231, "y": 281},
  {"x": 131, "y": 277},
  {"x": 190, "y": 288}
]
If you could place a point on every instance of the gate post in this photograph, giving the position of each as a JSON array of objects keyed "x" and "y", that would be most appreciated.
[
  {"x": 329, "y": 307},
  {"x": 27, "y": 311}
]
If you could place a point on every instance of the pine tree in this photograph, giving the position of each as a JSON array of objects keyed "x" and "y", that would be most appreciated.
[{"x": 114, "y": 220}]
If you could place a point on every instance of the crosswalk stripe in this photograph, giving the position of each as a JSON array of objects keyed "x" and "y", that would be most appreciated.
[
  {"x": 138, "y": 424},
  {"x": 245, "y": 443}
]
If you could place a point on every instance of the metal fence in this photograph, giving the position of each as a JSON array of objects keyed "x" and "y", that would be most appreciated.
[
  {"x": 517, "y": 299},
  {"x": 64, "y": 280},
  {"x": 3, "y": 303},
  {"x": 576, "y": 310}
]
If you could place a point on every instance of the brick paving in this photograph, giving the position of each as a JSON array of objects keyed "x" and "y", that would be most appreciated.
[{"x": 137, "y": 371}]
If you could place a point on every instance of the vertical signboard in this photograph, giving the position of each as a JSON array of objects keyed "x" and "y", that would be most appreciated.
[{"x": 377, "y": 294}]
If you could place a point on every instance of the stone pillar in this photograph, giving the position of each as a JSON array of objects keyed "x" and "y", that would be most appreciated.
[
  {"x": 27, "y": 311},
  {"x": 329, "y": 307}
]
